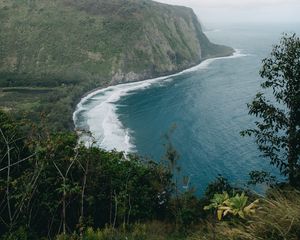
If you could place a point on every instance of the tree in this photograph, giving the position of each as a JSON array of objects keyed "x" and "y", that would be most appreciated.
[
  {"x": 17, "y": 177},
  {"x": 277, "y": 132}
]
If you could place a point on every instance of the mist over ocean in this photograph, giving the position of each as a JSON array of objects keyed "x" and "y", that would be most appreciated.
[{"x": 207, "y": 105}]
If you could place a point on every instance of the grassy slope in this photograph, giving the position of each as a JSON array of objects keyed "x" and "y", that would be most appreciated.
[{"x": 73, "y": 46}]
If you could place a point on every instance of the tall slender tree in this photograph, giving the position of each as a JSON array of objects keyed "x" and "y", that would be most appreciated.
[{"x": 277, "y": 132}]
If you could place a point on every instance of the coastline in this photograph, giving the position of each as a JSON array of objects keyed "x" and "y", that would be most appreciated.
[
  {"x": 112, "y": 133},
  {"x": 166, "y": 74}
]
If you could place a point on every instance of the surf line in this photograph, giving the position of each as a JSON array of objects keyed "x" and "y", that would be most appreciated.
[{"x": 97, "y": 111}]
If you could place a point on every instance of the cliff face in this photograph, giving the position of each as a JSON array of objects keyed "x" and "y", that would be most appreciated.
[{"x": 110, "y": 40}]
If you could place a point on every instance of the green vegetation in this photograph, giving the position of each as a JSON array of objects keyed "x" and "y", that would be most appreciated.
[
  {"x": 236, "y": 205},
  {"x": 277, "y": 218},
  {"x": 52, "y": 187},
  {"x": 51, "y": 184},
  {"x": 72, "y": 47},
  {"x": 278, "y": 131}
]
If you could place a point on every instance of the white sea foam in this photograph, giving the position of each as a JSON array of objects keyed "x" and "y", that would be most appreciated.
[{"x": 99, "y": 110}]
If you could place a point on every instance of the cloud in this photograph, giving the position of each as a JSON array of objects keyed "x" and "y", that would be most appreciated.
[
  {"x": 243, "y": 10},
  {"x": 232, "y": 3}
]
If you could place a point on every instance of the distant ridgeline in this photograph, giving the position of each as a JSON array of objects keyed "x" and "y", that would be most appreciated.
[{"x": 60, "y": 49}]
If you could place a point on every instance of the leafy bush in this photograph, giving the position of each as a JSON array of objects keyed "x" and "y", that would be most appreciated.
[
  {"x": 57, "y": 185},
  {"x": 220, "y": 185},
  {"x": 140, "y": 231},
  {"x": 278, "y": 218},
  {"x": 235, "y": 206},
  {"x": 107, "y": 233},
  {"x": 20, "y": 234}
]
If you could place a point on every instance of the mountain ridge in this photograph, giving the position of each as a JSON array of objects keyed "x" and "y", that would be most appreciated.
[
  {"x": 52, "y": 52},
  {"x": 119, "y": 40}
]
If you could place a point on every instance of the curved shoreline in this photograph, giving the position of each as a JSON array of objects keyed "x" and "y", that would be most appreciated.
[
  {"x": 112, "y": 125},
  {"x": 168, "y": 74}
]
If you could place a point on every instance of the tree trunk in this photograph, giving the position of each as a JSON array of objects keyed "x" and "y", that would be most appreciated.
[
  {"x": 8, "y": 185},
  {"x": 64, "y": 208},
  {"x": 116, "y": 209},
  {"x": 83, "y": 189},
  {"x": 292, "y": 149}
]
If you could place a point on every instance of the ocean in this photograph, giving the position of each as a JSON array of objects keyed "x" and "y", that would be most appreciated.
[{"x": 207, "y": 104}]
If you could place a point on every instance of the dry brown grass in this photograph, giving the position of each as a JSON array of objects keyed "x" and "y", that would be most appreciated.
[{"x": 277, "y": 219}]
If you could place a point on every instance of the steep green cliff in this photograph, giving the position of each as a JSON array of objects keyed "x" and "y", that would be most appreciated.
[
  {"x": 54, "y": 51},
  {"x": 112, "y": 40}
]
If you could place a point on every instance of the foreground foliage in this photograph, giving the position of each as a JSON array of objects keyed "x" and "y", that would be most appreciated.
[
  {"x": 277, "y": 132},
  {"x": 278, "y": 218},
  {"x": 50, "y": 184},
  {"x": 236, "y": 205},
  {"x": 52, "y": 187}
]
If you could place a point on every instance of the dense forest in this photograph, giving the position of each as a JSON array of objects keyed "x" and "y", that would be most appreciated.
[{"x": 54, "y": 188}]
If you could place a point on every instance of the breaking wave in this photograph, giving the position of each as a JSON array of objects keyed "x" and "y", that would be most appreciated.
[{"x": 97, "y": 112}]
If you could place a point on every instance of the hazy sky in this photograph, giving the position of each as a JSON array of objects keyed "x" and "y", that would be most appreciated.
[{"x": 214, "y": 11}]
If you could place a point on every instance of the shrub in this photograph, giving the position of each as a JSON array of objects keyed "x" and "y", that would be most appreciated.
[
  {"x": 219, "y": 185},
  {"x": 107, "y": 233},
  {"x": 220, "y": 231},
  {"x": 20, "y": 234},
  {"x": 279, "y": 217},
  {"x": 236, "y": 205}
]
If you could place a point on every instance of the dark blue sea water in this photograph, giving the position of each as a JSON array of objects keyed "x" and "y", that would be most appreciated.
[{"x": 208, "y": 107}]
